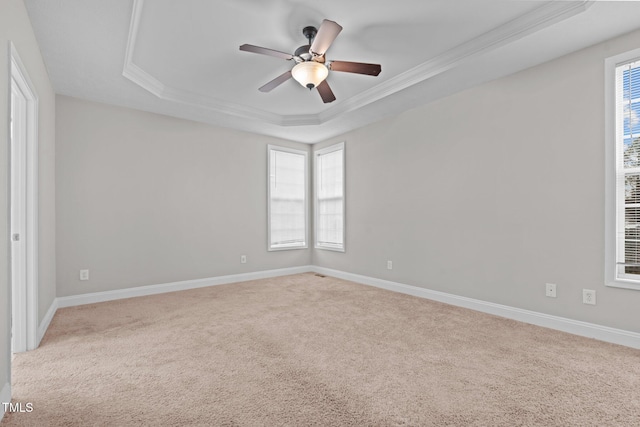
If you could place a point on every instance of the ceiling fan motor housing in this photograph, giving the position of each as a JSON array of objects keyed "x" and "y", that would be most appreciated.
[{"x": 303, "y": 52}]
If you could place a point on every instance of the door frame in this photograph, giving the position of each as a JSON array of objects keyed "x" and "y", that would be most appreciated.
[{"x": 27, "y": 310}]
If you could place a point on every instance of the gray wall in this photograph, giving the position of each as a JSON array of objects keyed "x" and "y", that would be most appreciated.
[
  {"x": 145, "y": 199},
  {"x": 15, "y": 27},
  {"x": 491, "y": 193}
]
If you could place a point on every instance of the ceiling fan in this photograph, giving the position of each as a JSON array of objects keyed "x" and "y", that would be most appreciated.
[{"x": 312, "y": 68}]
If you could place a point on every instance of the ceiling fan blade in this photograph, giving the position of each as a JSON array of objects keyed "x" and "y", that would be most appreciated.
[
  {"x": 276, "y": 82},
  {"x": 327, "y": 33},
  {"x": 355, "y": 67},
  {"x": 325, "y": 92},
  {"x": 265, "y": 51}
]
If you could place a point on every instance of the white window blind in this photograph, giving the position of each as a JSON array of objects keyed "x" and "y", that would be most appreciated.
[
  {"x": 329, "y": 198},
  {"x": 627, "y": 124},
  {"x": 287, "y": 210}
]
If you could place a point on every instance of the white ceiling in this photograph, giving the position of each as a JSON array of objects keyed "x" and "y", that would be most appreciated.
[{"x": 182, "y": 58}]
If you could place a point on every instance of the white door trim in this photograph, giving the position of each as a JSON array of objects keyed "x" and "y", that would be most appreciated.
[
  {"x": 29, "y": 311},
  {"x": 18, "y": 215}
]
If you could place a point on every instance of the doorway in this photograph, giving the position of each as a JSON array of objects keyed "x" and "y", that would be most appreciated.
[{"x": 23, "y": 208}]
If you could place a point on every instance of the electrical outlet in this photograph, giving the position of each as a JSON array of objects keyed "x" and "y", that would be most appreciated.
[
  {"x": 84, "y": 274},
  {"x": 551, "y": 290},
  {"x": 589, "y": 296},
  {"x": 243, "y": 259},
  {"x": 389, "y": 265}
]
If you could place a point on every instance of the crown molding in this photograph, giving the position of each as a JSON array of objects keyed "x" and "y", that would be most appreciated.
[
  {"x": 151, "y": 84},
  {"x": 543, "y": 16}
]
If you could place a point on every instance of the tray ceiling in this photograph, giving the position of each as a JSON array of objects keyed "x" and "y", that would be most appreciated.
[{"x": 182, "y": 58}]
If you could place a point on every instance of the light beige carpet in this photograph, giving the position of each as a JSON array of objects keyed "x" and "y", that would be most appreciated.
[{"x": 304, "y": 350}]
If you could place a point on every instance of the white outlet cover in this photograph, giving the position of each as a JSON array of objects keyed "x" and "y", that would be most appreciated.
[
  {"x": 551, "y": 290},
  {"x": 589, "y": 296}
]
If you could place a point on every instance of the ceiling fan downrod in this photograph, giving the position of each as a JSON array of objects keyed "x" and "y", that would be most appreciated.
[{"x": 309, "y": 32}]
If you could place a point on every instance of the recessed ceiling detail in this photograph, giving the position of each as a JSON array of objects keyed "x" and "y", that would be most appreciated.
[
  {"x": 181, "y": 58},
  {"x": 545, "y": 14}
]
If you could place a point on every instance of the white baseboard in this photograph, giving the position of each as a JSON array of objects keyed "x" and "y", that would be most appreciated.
[
  {"x": 95, "y": 297},
  {"x": 5, "y": 397},
  {"x": 46, "y": 321},
  {"x": 576, "y": 327}
]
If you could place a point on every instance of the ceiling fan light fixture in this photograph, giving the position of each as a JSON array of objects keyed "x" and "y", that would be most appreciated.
[{"x": 310, "y": 73}]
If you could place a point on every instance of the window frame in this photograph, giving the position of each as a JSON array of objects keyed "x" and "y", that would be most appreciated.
[
  {"x": 305, "y": 154},
  {"x": 613, "y": 191},
  {"x": 316, "y": 179}
]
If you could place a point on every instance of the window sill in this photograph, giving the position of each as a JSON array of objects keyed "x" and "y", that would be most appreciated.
[
  {"x": 624, "y": 284},
  {"x": 329, "y": 248},
  {"x": 287, "y": 248}
]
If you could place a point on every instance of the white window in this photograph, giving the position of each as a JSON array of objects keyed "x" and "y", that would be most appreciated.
[
  {"x": 287, "y": 207},
  {"x": 623, "y": 171},
  {"x": 329, "y": 198}
]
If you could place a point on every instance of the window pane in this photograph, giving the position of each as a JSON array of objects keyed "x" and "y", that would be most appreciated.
[
  {"x": 330, "y": 198},
  {"x": 287, "y": 199},
  {"x": 631, "y": 189},
  {"x": 631, "y": 118},
  {"x": 631, "y": 152},
  {"x": 628, "y": 146}
]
